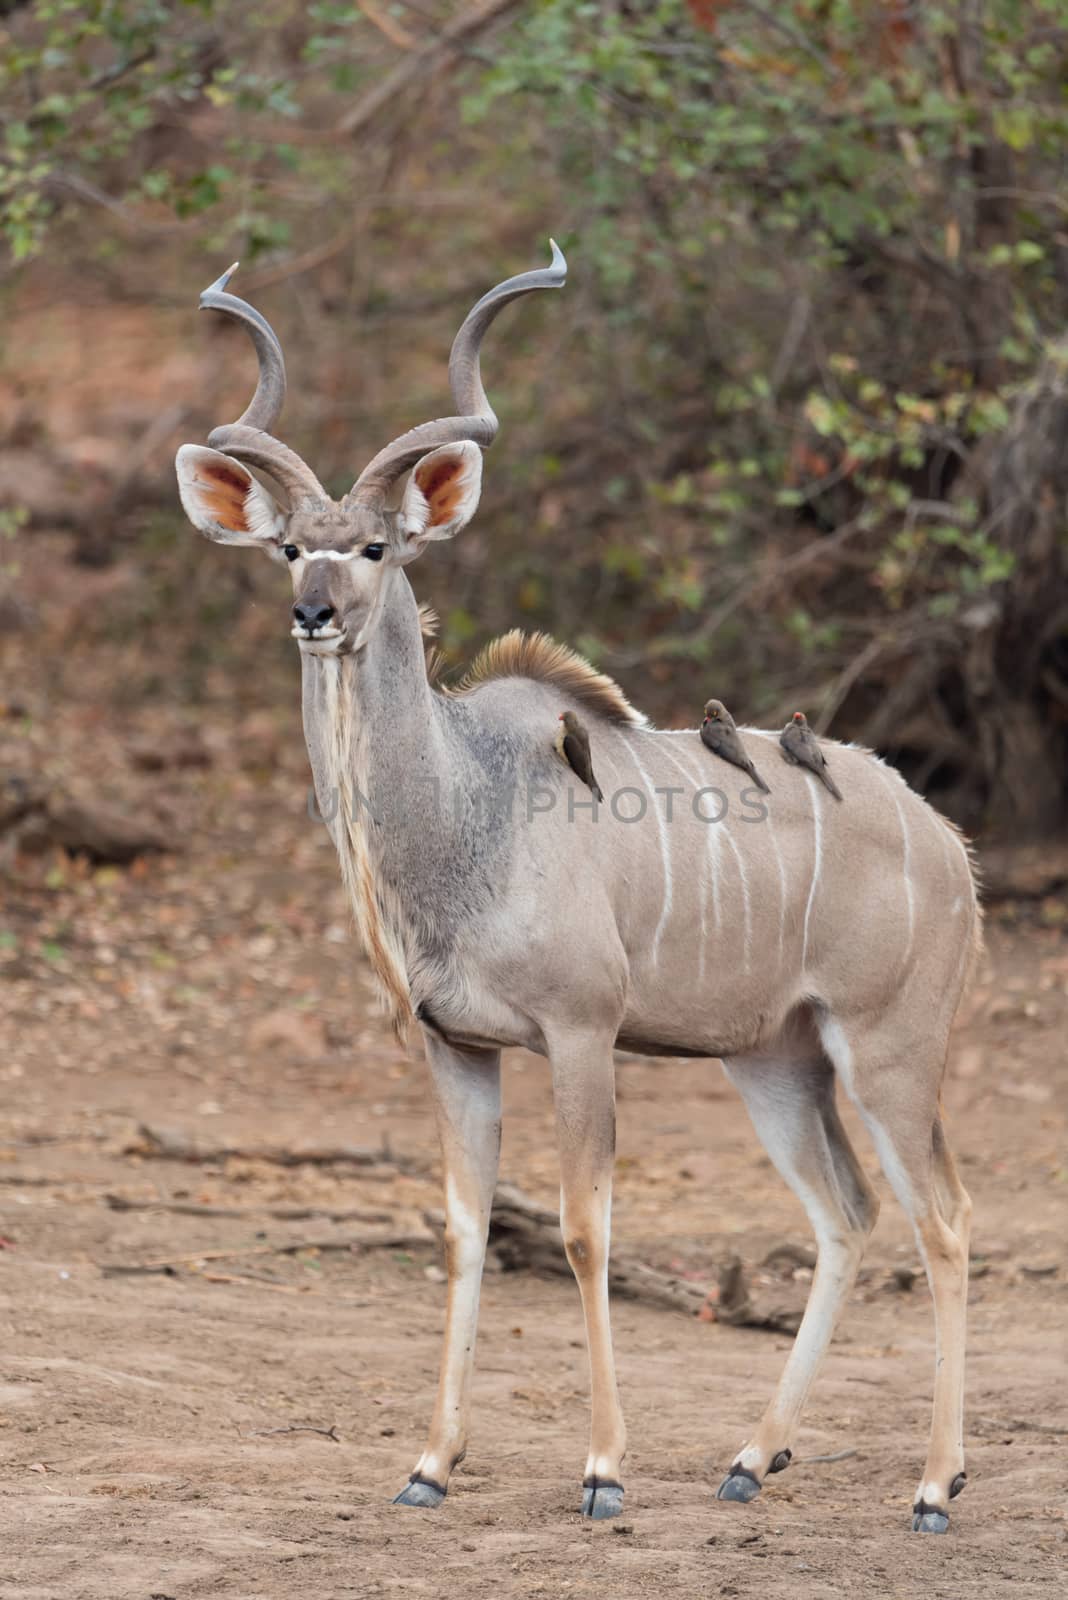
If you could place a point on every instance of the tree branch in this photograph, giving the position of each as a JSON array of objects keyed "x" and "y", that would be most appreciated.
[{"x": 418, "y": 65}]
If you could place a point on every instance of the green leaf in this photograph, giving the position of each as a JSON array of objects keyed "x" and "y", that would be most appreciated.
[{"x": 1014, "y": 125}]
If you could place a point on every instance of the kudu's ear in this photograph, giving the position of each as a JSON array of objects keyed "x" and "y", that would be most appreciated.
[
  {"x": 224, "y": 501},
  {"x": 442, "y": 494}
]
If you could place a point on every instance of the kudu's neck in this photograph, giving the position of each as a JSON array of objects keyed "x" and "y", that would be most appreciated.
[
  {"x": 377, "y": 755},
  {"x": 375, "y": 708},
  {"x": 390, "y": 696}
]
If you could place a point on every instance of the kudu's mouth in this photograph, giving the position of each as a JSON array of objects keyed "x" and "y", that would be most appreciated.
[{"x": 327, "y": 636}]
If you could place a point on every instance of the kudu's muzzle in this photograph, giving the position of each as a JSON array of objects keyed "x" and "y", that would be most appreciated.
[{"x": 314, "y": 609}]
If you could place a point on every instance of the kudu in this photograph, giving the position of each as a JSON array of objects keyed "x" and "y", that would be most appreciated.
[{"x": 806, "y": 943}]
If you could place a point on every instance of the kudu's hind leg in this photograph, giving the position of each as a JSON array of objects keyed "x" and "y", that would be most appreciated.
[
  {"x": 584, "y": 1093},
  {"x": 467, "y": 1097},
  {"x": 944, "y": 1240},
  {"x": 792, "y": 1108},
  {"x": 898, "y": 1101}
]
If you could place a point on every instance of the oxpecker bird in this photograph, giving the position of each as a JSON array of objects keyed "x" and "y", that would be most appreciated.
[
  {"x": 800, "y": 745},
  {"x": 573, "y": 744},
  {"x": 721, "y": 736}
]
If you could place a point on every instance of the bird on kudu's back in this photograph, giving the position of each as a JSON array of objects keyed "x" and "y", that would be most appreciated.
[
  {"x": 801, "y": 747},
  {"x": 572, "y": 744},
  {"x": 719, "y": 734}
]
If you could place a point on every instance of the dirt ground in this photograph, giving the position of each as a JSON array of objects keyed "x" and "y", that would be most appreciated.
[{"x": 236, "y": 1425}]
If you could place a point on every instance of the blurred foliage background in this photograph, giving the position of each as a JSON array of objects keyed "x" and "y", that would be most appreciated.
[{"x": 794, "y": 434}]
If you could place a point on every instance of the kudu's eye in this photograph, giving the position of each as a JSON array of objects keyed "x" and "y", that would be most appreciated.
[
  {"x": 374, "y": 552},
  {"x": 290, "y": 552}
]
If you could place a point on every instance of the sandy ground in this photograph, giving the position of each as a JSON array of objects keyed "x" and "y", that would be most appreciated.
[{"x": 157, "y": 1430}]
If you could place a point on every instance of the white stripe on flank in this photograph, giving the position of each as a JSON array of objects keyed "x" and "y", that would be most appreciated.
[
  {"x": 712, "y": 862},
  {"x": 745, "y": 895},
  {"x": 764, "y": 733},
  {"x": 817, "y": 857},
  {"x": 782, "y": 880},
  {"x": 718, "y": 830},
  {"x": 907, "y": 866},
  {"x": 712, "y": 855},
  {"x": 702, "y": 896},
  {"x": 661, "y": 826}
]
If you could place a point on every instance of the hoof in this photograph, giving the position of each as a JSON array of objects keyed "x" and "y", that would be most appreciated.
[
  {"x": 930, "y": 1522},
  {"x": 738, "y": 1485},
  {"x": 601, "y": 1500},
  {"x": 420, "y": 1492},
  {"x": 928, "y": 1519}
]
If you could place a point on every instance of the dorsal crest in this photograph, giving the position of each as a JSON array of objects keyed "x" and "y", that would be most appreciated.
[{"x": 536, "y": 655}]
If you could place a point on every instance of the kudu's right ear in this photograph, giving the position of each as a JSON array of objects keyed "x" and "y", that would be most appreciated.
[{"x": 224, "y": 501}]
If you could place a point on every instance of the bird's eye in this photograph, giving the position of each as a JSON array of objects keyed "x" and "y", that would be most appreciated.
[
  {"x": 374, "y": 552},
  {"x": 290, "y": 552}
]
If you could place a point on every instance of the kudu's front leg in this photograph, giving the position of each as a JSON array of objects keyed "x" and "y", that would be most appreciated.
[
  {"x": 584, "y": 1092},
  {"x": 467, "y": 1097}
]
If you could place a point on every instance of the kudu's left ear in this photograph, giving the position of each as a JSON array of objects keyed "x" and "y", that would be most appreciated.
[
  {"x": 224, "y": 501},
  {"x": 442, "y": 494}
]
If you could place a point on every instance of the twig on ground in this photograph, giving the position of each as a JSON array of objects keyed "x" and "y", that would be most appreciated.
[
  {"x": 189, "y": 1208},
  {"x": 250, "y": 1280},
  {"x": 256, "y": 1280},
  {"x": 37, "y": 1141},
  {"x": 298, "y": 1427},
  {"x": 292, "y": 1247},
  {"x": 171, "y": 1144},
  {"x": 811, "y": 1461},
  {"x": 33, "y": 1180},
  {"x": 137, "y": 1269},
  {"x": 1022, "y": 1425}
]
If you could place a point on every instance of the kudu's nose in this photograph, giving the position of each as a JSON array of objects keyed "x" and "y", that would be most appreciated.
[{"x": 312, "y": 615}]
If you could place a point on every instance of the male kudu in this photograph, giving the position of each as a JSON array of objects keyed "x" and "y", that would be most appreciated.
[{"x": 806, "y": 944}]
